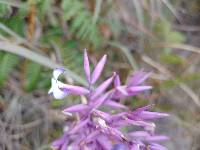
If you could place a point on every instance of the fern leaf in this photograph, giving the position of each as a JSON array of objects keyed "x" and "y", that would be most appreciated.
[
  {"x": 32, "y": 75},
  {"x": 8, "y": 62},
  {"x": 81, "y": 24}
]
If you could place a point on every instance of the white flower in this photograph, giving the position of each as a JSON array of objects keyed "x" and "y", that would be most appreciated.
[{"x": 56, "y": 85}]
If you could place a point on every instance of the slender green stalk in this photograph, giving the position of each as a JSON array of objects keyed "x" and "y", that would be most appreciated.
[{"x": 38, "y": 58}]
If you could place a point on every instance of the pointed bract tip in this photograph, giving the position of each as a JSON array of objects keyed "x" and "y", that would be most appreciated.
[
  {"x": 86, "y": 66},
  {"x": 98, "y": 69}
]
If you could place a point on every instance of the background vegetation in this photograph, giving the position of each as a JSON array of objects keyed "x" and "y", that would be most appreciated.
[{"x": 36, "y": 36}]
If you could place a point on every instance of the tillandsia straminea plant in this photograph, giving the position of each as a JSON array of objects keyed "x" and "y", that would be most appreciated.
[{"x": 101, "y": 119}]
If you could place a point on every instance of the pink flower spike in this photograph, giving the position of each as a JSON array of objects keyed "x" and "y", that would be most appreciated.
[
  {"x": 101, "y": 118},
  {"x": 98, "y": 69},
  {"x": 86, "y": 66}
]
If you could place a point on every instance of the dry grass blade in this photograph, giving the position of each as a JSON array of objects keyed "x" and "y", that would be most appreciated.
[
  {"x": 127, "y": 53},
  {"x": 181, "y": 47},
  {"x": 169, "y": 75},
  {"x": 13, "y": 4},
  {"x": 97, "y": 11},
  {"x": 171, "y": 8},
  {"x": 140, "y": 18},
  {"x": 126, "y": 17},
  {"x": 18, "y": 38},
  {"x": 156, "y": 65},
  {"x": 187, "y": 28},
  {"x": 38, "y": 58},
  {"x": 27, "y": 128},
  {"x": 9, "y": 31}
]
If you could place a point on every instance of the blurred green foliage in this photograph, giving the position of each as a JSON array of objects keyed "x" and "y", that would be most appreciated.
[
  {"x": 60, "y": 29},
  {"x": 165, "y": 33},
  {"x": 171, "y": 59}
]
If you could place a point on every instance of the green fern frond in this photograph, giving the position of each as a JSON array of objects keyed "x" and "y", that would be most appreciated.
[
  {"x": 4, "y": 10},
  {"x": 72, "y": 58},
  {"x": 81, "y": 21},
  {"x": 8, "y": 62},
  {"x": 32, "y": 75}
]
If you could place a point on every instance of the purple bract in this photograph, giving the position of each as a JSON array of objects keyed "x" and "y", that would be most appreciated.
[{"x": 100, "y": 121}]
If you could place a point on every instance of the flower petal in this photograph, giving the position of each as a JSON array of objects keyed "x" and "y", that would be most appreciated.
[
  {"x": 59, "y": 142},
  {"x": 105, "y": 142},
  {"x": 119, "y": 147},
  {"x": 157, "y": 138},
  {"x": 98, "y": 69},
  {"x": 100, "y": 100},
  {"x": 155, "y": 146},
  {"x": 147, "y": 125},
  {"x": 139, "y": 134},
  {"x": 122, "y": 90},
  {"x": 152, "y": 115},
  {"x": 115, "y": 105},
  {"x": 92, "y": 135},
  {"x": 86, "y": 66},
  {"x": 102, "y": 87},
  {"x": 135, "y": 147},
  {"x": 138, "y": 77},
  {"x": 101, "y": 114},
  {"x": 76, "y": 108},
  {"x": 135, "y": 89},
  {"x": 117, "y": 81},
  {"x": 78, "y": 126},
  {"x": 116, "y": 133},
  {"x": 77, "y": 90},
  {"x": 56, "y": 91}
]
